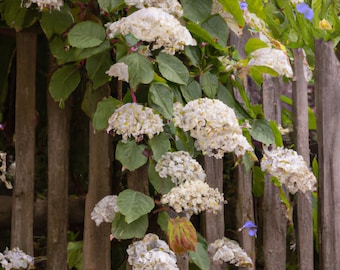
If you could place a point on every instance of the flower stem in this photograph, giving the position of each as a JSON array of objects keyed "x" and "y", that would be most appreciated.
[{"x": 133, "y": 95}]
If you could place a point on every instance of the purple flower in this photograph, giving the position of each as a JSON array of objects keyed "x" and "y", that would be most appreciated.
[
  {"x": 251, "y": 227},
  {"x": 243, "y": 5},
  {"x": 304, "y": 9}
]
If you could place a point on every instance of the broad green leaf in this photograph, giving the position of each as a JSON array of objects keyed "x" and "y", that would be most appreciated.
[
  {"x": 253, "y": 44},
  {"x": 247, "y": 162},
  {"x": 105, "y": 109},
  {"x": 196, "y": 11},
  {"x": 96, "y": 67},
  {"x": 130, "y": 154},
  {"x": 86, "y": 34},
  {"x": 63, "y": 82},
  {"x": 203, "y": 34},
  {"x": 256, "y": 75},
  {"x": 277, "y": 133},
  {"x": 200, "y": 257},
  {"x": 227, "y": 97},
  {"x": 140, "y": 69},
  {"x": 162, "y": 220},
  {"x": 75, "y": 254},
  {"x": 258, "y": 181},
  {"x": 56, "y": 21},
  {"x": 315, "y": 167},
  {"x": 262, "y": 131},
  {"x": 256, "y": 7},
  {"x": 185, "y": 142},
  {"x": 191, "y": 91},
  {"x": 194, "y": 54},
  {"x": 90, "y": 99},
  {"x": 110, "y": 5},
  {"x": 160, "y": 98},
  {"x": 159, "y": 144},
  {"x": 133, "y": 204},
  {"x": 217, "y": 28},
  {"x": 233, "y": 7},
  {"x": 209, "y": 84},
  {"x": 172, "y": 68},
  {"x": 161, "y": 185},
  {"x": 122, "y": 230},
  {"x": 266, "y": 70}
]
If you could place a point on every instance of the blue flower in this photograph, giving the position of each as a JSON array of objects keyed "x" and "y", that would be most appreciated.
[
  {"x": 243, "y": 5},
  {"x": 251, "y": 227},
  {"x": 304, "y": 9}
]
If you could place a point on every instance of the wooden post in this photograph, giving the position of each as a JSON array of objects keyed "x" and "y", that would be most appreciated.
[
  {"x": 97, "y": 246},
  {"x": 58, "y": 178},
  {"x": 213, "y": 224},
  {"x": 25, "y": 121},
  {"x": 301, "y": 134},
  {"x": 274, "y": 219},
  {"x": 327, "y": 74}
]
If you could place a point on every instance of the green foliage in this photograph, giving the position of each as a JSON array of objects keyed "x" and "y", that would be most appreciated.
[
  {"x": 75, "y": 255},
  {"x": 209, "y": 84},
  {"x": 161, "y": 185},
  {"x": 105, "y": 109},
  {"x": 217, "y": 28},
  {"x": 262, "y": 131},
  {"x": 200, "y": 257},
  {"x": 233, "y": 7},
  {"x": 196, "y": 11},
  {"x": 133, "y": 204},
  {"x": 86, "y": 34},
  {"x": 96, "y": 67},
  {"x": 130, "y": 154},
  {"x": 161, "y": 99},
  {"x": 123, "y": 230},
  {"x": 258, "y": 181},
  {"x": 159, "y": 144},
  {"x": 162, "y": 220},
  {"x": 110, "y": 5},
  {"x": 191, "y": 91},
  {"x": 254, "y": 44}
]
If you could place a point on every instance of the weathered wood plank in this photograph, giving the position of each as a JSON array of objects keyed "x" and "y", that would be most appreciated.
[
  {"x": 301, "y": 135},
  {"x": 25, "y": 117},
  {"x": 327, "y": 74}
]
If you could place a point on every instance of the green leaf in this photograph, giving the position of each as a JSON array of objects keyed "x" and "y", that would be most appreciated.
[
  {"x": 191, "y": 91},
  {"x": 140, "y": 69},
  {"x": 200, "y": 257},
  {"x": 247, "y": 162},
  {"x": 256, "y": 7},
  {"x": 194, "y": 54},
  {"x": 254, "y": 44},
  {"x": 217, "y": 28},
  {"x": 75, "y": 254},
  {"x": 196, "y": 11},
  {"x": 262, "y": 131},
  {"x": 315, "y": 167},
  {"x": 185, "y": 142},
  {"x": 105, "y": 109},
  {"x": 233, "y": 7},
  {"x": 209, "y": 84},
  {"x": 172, "y": 68},
  {"x": 86, "y": 34},
  {"x": 161, "y": 185},
  {"x": 159, "y": 144},
  {"x": 162, "y": 220},
  {"x": 110, "y": 5},
  {"x": 96, "y": 67},
  {"x": 122, "y": 230},
  {"x": 160, "y": 98},
  {"x": 63, "y": 82},
  {"x": 258, "y": 181},
  {"x": 133, "y": 204},
  {"x": 277, "y": 133},
  {"x": 130, "y": 154},
  {"x": 56, "y": 21}
]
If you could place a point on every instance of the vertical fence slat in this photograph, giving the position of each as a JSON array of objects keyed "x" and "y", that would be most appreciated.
[
  {"x": 301, "y": 134},
  {"x": 274, "y": 220},
  {"x": 213, "y": 224},
  {"x": 327, "y": 74},
  {"x": 97, "y": 246},
  {"x": 23, "y": 193}
]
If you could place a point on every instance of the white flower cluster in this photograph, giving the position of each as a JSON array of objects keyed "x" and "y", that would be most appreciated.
[
  {"x": 180, "y": 166},
  {"x": 153, "y": 25},
  {"x": 229, "y": 251},
  {"x": 49, "y": 4},
  {"x": 193, "y": 197},
  {"x": 15, "y": 259},
  {"x": 272, "y": 58},
  {"x": 105, "y": 210},
  {"x": 135, "y": 120},
  {"x": 214, "y": 126},
  {"x": 169, "y": 6},
  {"x": 289, "y": 168},
  {"x": 3, "y": 169},
  {"x": 120, "y": 70},
  {"x": 151, "y": 253}
]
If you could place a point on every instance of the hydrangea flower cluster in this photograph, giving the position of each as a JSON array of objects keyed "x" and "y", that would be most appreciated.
[
  {"x": 105, "y": 210},
  {"x": 289, "y": 168},
  {"x": 135, "y": 120},
  {"x": 193, "y": 197},
  {"x": 272, "y": 58},
  {"x": 169, "y": 6},
  {"x": 49, "y": 4},
  {"x": 120, "y": 70},
  {"x": 153, "y": 25},
  {"x": 151, "y": 253},
  {"x": 214, "y": 126},
  {"x": 229, "y": 251},
  {"x": 15, "y": 259},
  {"x": 180, "y": 166}
]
